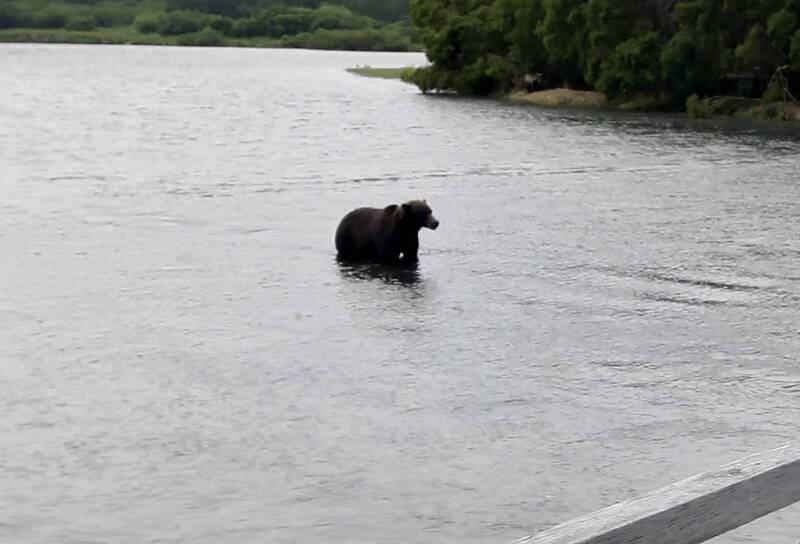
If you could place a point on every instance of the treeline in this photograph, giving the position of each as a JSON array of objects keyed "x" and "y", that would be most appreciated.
[
  {"x": 386, "y": 10},
  {"x": 344, "y": 24},
  {"x": 71, "y": 15},
  {"x": 660, "y": 51}
]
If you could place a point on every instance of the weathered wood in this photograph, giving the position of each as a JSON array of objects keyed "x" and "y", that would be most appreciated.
[{"x": 694, "y": 510}]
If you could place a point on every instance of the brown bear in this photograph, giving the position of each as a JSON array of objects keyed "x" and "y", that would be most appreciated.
[{"x": 383, "y": 235}]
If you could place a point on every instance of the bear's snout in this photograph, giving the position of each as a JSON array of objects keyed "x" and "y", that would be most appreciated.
[{"x": 431, "y": 222}]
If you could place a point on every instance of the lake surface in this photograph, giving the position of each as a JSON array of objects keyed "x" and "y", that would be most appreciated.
[{"x": 609, "y": 305}]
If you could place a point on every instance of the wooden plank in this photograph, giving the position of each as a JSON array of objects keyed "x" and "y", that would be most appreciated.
[{"x": 694, "y": 510}]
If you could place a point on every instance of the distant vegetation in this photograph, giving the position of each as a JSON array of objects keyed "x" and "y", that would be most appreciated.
[
  {"x": 372, "y": 25},
  {"x": 654, "y": 53}
]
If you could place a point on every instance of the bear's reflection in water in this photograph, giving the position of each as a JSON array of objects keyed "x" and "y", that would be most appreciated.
[{"x": 407, "y": 275}]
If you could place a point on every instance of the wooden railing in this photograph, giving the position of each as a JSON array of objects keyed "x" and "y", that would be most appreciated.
[{"x": 694, "y": 510}]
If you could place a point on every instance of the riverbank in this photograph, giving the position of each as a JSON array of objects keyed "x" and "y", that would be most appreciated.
[
  {"x": 403, "y": 74},
  {"x": 207, "y": 37},
  {"x": 115, "y": 35},
  {"x": 743, "y": 108},
  {"x": 698, "y": 108},
  {"x": 718, "y": 106},
  {"x": 562, "y": 98}
]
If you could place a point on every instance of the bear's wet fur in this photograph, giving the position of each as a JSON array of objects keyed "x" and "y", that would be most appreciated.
[{"x": 387, "y": 235}]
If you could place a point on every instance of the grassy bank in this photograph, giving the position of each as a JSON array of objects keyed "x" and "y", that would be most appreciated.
[
  {"x": 562, "y": 98},
  {"x": 128, "y": 35},
  {"x": 403, "y": 74},
  {"x": 120, "y": 35},
  {"x": 718, "y": 106},
  {"x": 742, "y": 108}
]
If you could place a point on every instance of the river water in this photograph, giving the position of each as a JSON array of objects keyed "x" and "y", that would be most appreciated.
[{"x": 609, "y": 304}]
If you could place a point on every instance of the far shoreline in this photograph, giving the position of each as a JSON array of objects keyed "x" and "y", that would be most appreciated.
[
  {"x": 716, "y": 107},
  {"x": 129, "y": 36}
]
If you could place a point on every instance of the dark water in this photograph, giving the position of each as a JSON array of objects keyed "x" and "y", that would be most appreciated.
[{"x": 609, "y": 305}]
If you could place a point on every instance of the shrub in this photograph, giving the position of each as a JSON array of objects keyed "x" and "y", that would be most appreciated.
[
  {"x": 273, "y": 22},
  {"x": 240, "y": 29},
  {"x": 292, "y": 22},
  {"x": 774, "y": 93},
  {"x": 180, "y": 22},
  {"x": 332, "y": 17},
  {"x": 632, "y": 68},
  {"x": 698, "y": 108},
  {"x": 431, "y": 78},
  {"x": 421, "y": 78},
  {"x": 220, "y": 23},
  {"x": 348, "y": 40},
  {"x": 147, "y": 23}
]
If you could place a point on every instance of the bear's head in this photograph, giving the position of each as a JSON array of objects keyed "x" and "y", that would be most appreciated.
[{"x": 419, "y": 214}]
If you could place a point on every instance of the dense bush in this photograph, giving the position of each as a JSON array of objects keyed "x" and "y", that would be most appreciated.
[
  {"x": 625, "y": 48},
  {"x": 301, "y": 22},
  {"x": 273, "y": 23},
  {"x": 220, "y": 23},
  {"x": 697, "y": 108},
  {"x": 349, "y": 40},
  {"x": 147, "y": 22},
  {"x": 330, "y": 17},
  {"x": 631, "y": 68},
  {"x": 180, "y": 22}
]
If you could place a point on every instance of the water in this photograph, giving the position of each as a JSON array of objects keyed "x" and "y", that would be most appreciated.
[{"x": 609, "y": 305}]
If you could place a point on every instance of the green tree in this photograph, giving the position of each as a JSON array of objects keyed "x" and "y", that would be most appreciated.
[
  {"x": 385, "y": 10},
  {"x": 693, "y": 59},
  {"x": 756, "y": 52},
  {"x": 227, "y": 8},
  {"x": 563, "y": 30},
  {"x": 333, "y": 17},
  {"x": 632, "y": 68},
  {"x": 518, "y": 20},
  {"x": 610, "y": 23},
  {"x": 660, "y": 48},
  {"x": 147, "y": 22}
]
